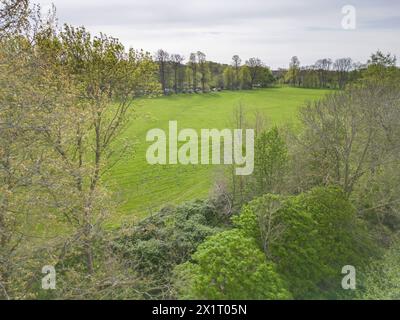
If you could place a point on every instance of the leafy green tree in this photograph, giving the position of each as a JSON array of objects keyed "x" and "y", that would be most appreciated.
[
  {"x": 245, "y": 78},
  {"x": 270, "y": 163},
  {"x": 265, "y": 77},
  {"x": 26, "y": 90},
  {"x": 229, "y": 265},
  {"x": 30, "y": 86},
  {"x": 229, "y": 78},
  {"x": 292, "y": 75},
  {"x": 381, "y": 68},
  {"x": 193, "y": 66}
]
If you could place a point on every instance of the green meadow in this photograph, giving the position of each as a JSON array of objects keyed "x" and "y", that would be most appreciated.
[{"x": 141, "y": 189}]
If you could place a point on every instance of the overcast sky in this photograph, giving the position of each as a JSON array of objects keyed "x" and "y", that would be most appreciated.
[{"x": 271, "y": 30}]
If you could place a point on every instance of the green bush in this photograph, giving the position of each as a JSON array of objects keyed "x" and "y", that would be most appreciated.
[
  {"x": 310, "y": 237},
  {"x": 229, "y": 265},
  {"x": 380, "y": 281}
]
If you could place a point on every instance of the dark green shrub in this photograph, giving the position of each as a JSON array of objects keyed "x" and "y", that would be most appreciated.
[{"x": 157, "y": 244}]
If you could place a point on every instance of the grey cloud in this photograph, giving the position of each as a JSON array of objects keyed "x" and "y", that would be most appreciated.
[
  {"x": 275, "y": 30},
  {"x": 389, "y": 23},
  {"x": 183, "y": 13}
]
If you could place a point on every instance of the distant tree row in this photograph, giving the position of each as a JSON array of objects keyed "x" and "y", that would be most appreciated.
[
  {"x": 200, "y": 75},
  {"x": 326, "y": 73}
]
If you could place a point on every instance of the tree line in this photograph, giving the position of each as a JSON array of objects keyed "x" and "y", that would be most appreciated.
[
  {"x": 199, "y": 75},
  {"x": 326, "y": 73}
]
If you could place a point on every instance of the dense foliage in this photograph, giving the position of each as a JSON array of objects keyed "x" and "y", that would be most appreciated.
[
  {"x": 380, "y": 281},
  {"x": 310, "y": 236},
  {"x": 229, "y": 265},
  {"x": 157, "y": 244}
]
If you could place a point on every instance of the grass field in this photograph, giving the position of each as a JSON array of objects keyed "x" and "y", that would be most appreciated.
[{"x": 142, "y": 189}]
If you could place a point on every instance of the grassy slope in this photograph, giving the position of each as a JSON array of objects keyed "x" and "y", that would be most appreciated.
[{"x": 143, "y": 188}]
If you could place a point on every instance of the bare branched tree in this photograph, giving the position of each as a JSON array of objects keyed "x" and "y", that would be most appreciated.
[
  {"x": 343, "y": 67},
  {"x": 236, "y": 63},
  {"x": 162, "y": 57},
  {"x": 193, "y": 67},
  {"x": 176, "y": 60},
  {"x": 203, "y": 69},
  {"x": 323, "y": 67},
  {"x": 14, "y": 15},
  {"x": 271, "y": 228},
  {"x": 349, "y": 134}
]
